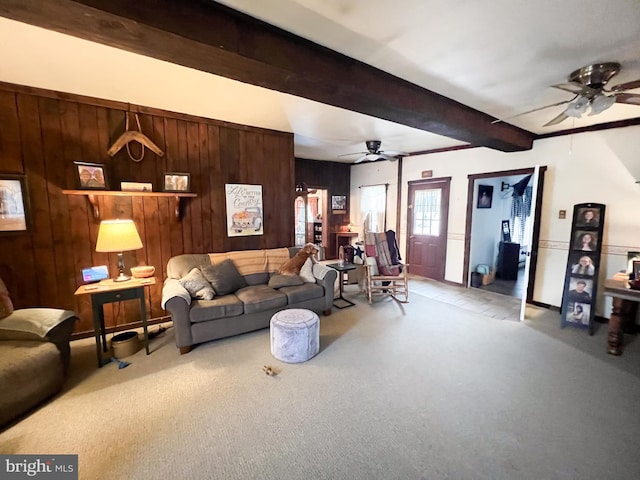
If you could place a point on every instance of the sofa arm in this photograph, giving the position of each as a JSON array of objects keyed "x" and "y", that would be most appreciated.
[
  {"x": 177, "y": 301},
  {"x": 41, "y": 324},
  {"x": 326, "y": 276},
  {"x": 171, "y": 289}
]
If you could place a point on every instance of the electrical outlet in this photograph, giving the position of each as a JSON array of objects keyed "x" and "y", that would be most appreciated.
[{"x": 562, "y": 214}]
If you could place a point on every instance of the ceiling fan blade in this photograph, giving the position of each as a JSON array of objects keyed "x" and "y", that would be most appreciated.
[
  {"x": 394, "y": 153},
  {"x": 535, "y": 110},
  {"x": 626, "y": 86},
  {"x": 556, "y": 120},
  {"x": 354, "y": 153},
  {"x": 361, "y": 159},
  {"x": 577, "y": 88},
  {"x": 630, "y": 98}
]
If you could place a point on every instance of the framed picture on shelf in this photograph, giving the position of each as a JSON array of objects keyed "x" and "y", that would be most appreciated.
[
  {"x": 338, "y": 204},
  {"x": 636, "y": 269},
  {"x": 506, "y": 231},
  {"x": 14, "y": 204},
  {"x": 176, "y": 182},
  {"x": 91, "y": 176},
  {"x": 485, "y": 196}
]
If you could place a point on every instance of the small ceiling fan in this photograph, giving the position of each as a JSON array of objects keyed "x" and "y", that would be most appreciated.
[
  {"x": 374, "y": 153},
  {"x": 588, "y": 86}
]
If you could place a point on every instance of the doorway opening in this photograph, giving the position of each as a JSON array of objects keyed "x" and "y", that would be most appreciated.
[
  {"x": 502, "y": 231},
  {"x": 311, "y": 219}
]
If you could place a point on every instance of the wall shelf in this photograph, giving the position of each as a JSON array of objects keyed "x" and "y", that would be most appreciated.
[{"x": 92, "y": 194}]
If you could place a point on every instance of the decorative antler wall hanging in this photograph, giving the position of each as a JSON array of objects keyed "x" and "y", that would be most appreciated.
[{"x": 133, "y": 136}]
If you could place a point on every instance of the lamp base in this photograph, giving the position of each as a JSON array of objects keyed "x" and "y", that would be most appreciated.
[{"x": 122, "y": 278}]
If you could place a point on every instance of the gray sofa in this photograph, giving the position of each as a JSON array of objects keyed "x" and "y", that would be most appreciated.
[{"x": 247, "y": 308}]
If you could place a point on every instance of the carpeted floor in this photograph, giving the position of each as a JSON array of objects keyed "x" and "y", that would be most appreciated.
[{"x": 426, "y": 390}]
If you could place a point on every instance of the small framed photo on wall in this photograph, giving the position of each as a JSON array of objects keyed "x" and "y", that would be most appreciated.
[
  {"x": 485, "y": 196},
  {"x": 91, "y": 176},
  {"x": 14, "y": 204},
  {"x": 176, "y": 182},
  {"x": 338, "y": 204}
]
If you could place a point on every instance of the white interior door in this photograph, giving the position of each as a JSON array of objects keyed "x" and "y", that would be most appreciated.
[{"x": 529, "y": 237}]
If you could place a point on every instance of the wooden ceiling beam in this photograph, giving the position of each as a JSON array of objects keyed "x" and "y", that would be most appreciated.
[{"x": 207, "y": 36}]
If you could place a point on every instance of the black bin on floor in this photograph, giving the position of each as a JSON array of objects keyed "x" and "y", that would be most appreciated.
[{"x": 476, "y": 279}]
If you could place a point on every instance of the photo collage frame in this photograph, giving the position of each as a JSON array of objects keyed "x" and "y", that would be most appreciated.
[{"x": 581, "y": 278}]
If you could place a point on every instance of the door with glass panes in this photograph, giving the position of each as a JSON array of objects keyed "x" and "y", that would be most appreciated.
[{"x": 428, "y": 211}]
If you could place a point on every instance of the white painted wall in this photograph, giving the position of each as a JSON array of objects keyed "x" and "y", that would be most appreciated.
[{"x": 584, "y": 167}]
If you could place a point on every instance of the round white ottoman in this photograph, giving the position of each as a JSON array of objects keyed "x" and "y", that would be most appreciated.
[{"x": 295, "y": 335}]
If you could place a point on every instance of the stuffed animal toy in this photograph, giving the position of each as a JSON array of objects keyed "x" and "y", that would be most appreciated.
[{"x": 293, "y": 265}]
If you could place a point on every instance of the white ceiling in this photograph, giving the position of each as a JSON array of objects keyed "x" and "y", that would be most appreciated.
[{"x": 497, "y": 56}]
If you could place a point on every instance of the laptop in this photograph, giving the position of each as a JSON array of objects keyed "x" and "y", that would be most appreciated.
[{"x": 95, "y": 274}]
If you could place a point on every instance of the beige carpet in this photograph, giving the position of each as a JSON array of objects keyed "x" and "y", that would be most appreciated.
[{"x": 425, "y": 390}]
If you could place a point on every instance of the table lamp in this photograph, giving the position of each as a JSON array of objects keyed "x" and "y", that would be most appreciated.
[{"x": 118, "y": 236}]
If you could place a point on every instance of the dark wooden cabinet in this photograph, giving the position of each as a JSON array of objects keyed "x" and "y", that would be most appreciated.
[{"x": 508, "y": 258}]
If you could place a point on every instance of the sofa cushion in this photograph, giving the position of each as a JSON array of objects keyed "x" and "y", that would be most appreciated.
[
  {"x": 181, "y": 265},
  {"x": 197, "y": 285},
  {"x": 278, "y": 281},
  {"x": 224, "y": 277},
  {"x": 6, "y": 307},
  {"x": 301, "y": 293},
  {"x": 306, "y": 272},
  {"x": 219, "y": 307},
  {"x": 257, "y": 298},
  {"x": 256, "y": 278}
]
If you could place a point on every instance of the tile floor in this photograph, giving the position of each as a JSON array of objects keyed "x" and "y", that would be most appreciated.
[{"x": 488, "y": 303}]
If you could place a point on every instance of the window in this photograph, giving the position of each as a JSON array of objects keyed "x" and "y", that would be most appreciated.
[
  {"x": 426, "y": 212},
  {"x": 373, "y": 205}
]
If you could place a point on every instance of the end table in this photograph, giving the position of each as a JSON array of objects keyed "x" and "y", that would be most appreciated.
[{"x": 108, "y": 291}]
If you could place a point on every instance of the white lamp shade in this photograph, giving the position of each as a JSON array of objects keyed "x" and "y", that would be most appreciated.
[{"x": 118, "y": 236}]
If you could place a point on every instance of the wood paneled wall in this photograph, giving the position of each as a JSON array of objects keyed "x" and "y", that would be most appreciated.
[
  {"x": 336, "y": 178},
  {"x": 44, "y": 132}
]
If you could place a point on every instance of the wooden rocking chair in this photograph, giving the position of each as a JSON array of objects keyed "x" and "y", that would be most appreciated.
[{"x": 385, "y": 273}]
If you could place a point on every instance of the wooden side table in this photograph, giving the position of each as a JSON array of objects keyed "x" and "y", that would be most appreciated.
[
  {"x": 108, "y": 291},
  {"x": 623, "y": 308}
]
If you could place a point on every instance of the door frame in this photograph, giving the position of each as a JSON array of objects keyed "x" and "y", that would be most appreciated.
[
  {"x": 445, "y": 221},
  {"x": 536, "y": 221}
]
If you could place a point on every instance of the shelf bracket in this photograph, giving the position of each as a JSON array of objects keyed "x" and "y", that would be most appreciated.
[
  {"x": 176, "y": 207},
  {"x": 94, "y": 204}
]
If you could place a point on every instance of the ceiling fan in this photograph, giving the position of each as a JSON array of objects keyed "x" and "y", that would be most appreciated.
[
  {"x": 374, "y": 153},
  {"x": 588, "y": 86}
]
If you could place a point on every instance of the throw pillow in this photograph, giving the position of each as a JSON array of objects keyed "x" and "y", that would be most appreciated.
[
  {"x": 224, "y": 277},
  {"x": 306, "y": 272},
  {"x": 278, "y": 281},
  {"x": 197, "y": 285},
  {"x": 6, "y": 307}
]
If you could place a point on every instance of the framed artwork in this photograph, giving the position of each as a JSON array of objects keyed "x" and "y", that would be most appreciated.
[
  {"x": 244, "y": 210},
  {"x": 91, "y": 176},
  {"x": 506, "y": 231},
  {"x": 588, "y": 217},
  {"x": 338, "y": 204},
  {"x": 636, "y": 269},
  {"x": 580, "y": 290},
  {"x": 585, "y": 241},
  {"x": 631, "y": 257},
  {"x": 578, "y": 313},
  {"x": 176, "y": 182},
  {"x": 14, "y": 204},
  {"x": 485, "y": 196},
  {"x": 582, "y": 263}
]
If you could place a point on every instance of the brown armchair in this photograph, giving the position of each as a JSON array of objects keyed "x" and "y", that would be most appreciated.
[{"x": 34, "y": 355}]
